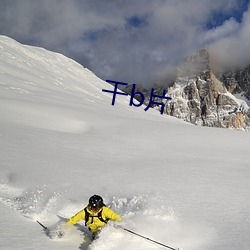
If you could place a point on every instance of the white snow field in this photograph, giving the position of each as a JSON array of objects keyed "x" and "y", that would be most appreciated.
[{"x": 62, "y": 141}]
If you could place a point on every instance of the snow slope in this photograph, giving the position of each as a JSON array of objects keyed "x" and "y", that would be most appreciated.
[{"x": 61, "y": 141}]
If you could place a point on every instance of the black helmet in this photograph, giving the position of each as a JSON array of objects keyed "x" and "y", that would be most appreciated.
[{"x": 96, "y": 202}]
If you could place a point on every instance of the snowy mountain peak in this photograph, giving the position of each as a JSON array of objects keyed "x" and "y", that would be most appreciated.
[
  {"x": 203, "y": 97},
  {"x": 199, "y": 97},
  {"x": 197, "y": 64}
]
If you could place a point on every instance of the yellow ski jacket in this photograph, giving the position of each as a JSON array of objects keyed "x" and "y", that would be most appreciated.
[{"x": 94, "y": 223}]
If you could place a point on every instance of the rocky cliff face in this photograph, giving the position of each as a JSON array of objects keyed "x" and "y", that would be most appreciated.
[
  {"x": 205, "y": 98},
  {"x": 237, "y": 81},
  {"x": 201, "y": 97}
]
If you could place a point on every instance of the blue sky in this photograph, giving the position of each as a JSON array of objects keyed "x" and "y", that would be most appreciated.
[
  {"x": 134, "y": 41},
  {"x": 218, "y": 17}
]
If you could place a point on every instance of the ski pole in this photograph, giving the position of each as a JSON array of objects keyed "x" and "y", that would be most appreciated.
[
  {"x": 146, "y": 238},
  {"x": 45, "y": 228}
]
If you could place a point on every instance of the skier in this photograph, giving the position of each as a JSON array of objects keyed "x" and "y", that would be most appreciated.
[{"x": 95, "y": 214}]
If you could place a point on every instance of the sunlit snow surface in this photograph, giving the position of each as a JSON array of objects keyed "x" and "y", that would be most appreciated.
[{"x": 61, "y": 141}]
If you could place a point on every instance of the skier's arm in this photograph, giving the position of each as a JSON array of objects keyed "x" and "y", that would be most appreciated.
[
  {"x": 110, "y": 214},
  {"x": 77, "y": 217}
]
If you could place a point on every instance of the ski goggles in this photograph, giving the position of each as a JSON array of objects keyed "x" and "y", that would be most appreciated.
[{"x": 94, "y": 208}]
